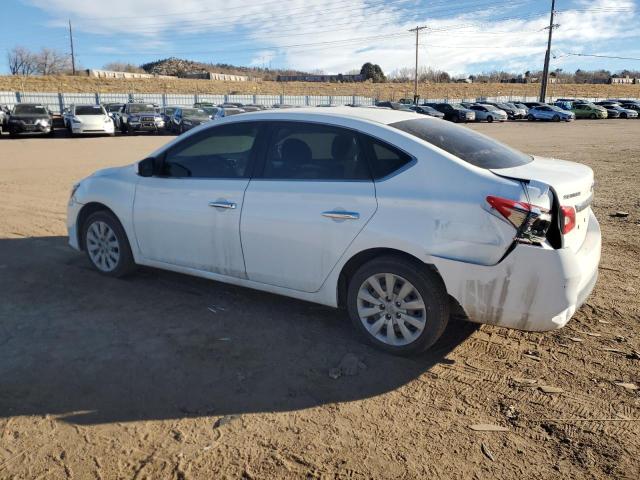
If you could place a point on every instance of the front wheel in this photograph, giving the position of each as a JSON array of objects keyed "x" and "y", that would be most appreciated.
[
  {"x": 593, "y": 116},
  {"x": 556, "y": 118},
  {"x": 398, "y": 306},
  {"x": 623, "y": 115},
  {"x": 531, "y": 118},
  {"x": 106, "y": 245}
]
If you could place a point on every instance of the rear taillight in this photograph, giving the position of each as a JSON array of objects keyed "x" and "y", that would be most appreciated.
[
  {"x": 530, "y": 221},
  {"x": 568, "y": 219}
]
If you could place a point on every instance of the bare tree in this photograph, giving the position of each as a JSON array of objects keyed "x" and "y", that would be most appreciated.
[
  {"x": 51, "y": 62},
  {"x": 21, "y": 61}
]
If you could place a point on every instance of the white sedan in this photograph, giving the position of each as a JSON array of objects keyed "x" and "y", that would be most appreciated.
[
  {"x": 398, "y": 217},
  {"x": 90, "y": 119}
]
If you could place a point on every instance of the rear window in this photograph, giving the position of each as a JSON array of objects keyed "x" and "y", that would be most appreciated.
[{"x": 467, "y": 145}]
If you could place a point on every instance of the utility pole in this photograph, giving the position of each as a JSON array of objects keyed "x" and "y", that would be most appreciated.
[
  {"x": 73, "y": 57},
  {"x": 415, "y": 80},
  {"x": 545, "y": 72}
]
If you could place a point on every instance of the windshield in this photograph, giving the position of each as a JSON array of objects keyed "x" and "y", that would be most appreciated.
[
  {"x": 194, "y": 113},
  {"x": 457, "y": 105},
  {"x": 490, "y": 107},
  {"x": 114, "y": 107},
  {"x": 30, "y": 110},
  {"x": 169, "y": 110},
  {"x": 211, "y": 110},
  {"x": 141, "y": 107},
  {"x": 467, "y": 145},
  {"x": 89, "y": 110}
]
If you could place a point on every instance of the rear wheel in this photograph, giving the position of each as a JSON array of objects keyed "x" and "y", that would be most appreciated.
[
  {"x": 397, "y": 305},
  {"x": 106, "y": 245}
]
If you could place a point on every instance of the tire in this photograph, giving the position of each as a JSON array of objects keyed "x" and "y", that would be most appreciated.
[
  {"x": 593, "y": 116},
  {"x": 556, "y": 118},
  {"x": 456, "y": 119},
  {"x": 623, "y": 115},
  {"x": 426, "y": 286},
  {"x": 490, "y": 119},
  {"x": 531, "y": 118},
  {"x": 120, "y": 262},
  {"x": 123, "y": 128}
]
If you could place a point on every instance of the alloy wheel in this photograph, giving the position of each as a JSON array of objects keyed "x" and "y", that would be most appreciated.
[
  {"x": 391, "y": 309},
  {"x": 103, "y": 246}
]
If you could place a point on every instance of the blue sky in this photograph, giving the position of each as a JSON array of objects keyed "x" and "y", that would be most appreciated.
[{"x": 465, "y": 36}]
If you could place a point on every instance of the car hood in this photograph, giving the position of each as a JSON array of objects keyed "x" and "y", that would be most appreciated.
[{"x": 115, "y": 171}]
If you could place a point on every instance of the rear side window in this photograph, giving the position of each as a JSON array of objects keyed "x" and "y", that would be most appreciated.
[
  {"x": 467, "y": 145},
  {"x": 310, "y": 151},
  {"x": 386, "y": 159}
]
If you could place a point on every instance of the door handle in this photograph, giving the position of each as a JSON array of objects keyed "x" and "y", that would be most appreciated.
[
  {"x": 223, "y": 204},
  {"x": 340, "y": 215}
]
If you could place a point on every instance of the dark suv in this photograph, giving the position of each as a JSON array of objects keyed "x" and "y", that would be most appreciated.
[
  {"x": 454, "y": 112},
  {"x": 31, "y": 118},
  {"x": 139, "y": 117}
]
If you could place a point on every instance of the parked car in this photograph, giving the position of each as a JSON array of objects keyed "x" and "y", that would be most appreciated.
[
  {"x": 454, "y": 112},
  {"x": 622, "y": 112},
  {"x": 204, "y": 104},
  {"x": 513, "y": 112},
  {"x": 630, "y": 105},
  {"x": 80, "y": 119},
  {"x": 583, "y": 109},
  {"x": 426, "y": 110},
  {"x": 166, "y": 114},
  {"x": 184, "y": 119},
  {"x": 282, "y": 105},
  {"x": 535, "y": 104},
  {"x": 393, "y": 106},
  {"x": 550, "y": 112},
  {"x": 29, "y": 118},
  {"x": 522, "y": 106},
  {"x": 394, "y": 215},
  {"x": 488, "y": 113},
  {"x": 4, "y": 116},
  {"x": 113, "y": 109},
  {"x": 232, "y": 105},
  {"x": 139, "y": 117}
]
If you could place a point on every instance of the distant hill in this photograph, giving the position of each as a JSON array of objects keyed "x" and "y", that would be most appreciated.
[{"x": 177, "y": 66}]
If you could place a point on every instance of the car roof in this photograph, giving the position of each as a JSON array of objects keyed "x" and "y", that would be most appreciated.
[{"x": 378, "y": 115}]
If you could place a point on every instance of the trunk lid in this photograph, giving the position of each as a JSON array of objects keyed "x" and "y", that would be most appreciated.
[{"x": 572, "y": 184}]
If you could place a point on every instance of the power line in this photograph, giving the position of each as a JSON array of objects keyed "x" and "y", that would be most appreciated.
[{"x": 597, "y": 56}]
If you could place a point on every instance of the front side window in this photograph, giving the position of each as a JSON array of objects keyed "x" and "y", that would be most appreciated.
[
  {"x": 308, "y": 151},
  {"x": 220, "y": 152},
  {"x": 464, "y": 143}
]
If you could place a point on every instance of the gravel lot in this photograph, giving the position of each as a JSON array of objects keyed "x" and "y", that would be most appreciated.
[{"x": 166, "y": 376}]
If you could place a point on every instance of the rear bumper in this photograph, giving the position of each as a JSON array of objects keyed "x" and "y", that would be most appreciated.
[{"x": 533, "y": 288}]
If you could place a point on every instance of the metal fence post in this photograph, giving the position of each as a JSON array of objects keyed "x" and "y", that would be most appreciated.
[
  {"x": 18, "y": 97},
  {"x": 164, "y": 99},
  {"x": 97, "y": 98},
  {"x": 61, "y": 101},
  {"x": 130, "y": 96}
]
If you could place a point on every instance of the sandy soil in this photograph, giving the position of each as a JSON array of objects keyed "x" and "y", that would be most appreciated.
[
  {"x": 69, "y": 84},
  {"x": 166, "y": 376}
]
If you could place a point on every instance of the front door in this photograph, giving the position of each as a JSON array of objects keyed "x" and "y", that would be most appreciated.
[
  {"x": 314, "y": 196},
  {"x": 189, "y": 214}
]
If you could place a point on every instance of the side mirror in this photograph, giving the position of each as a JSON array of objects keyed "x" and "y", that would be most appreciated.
[{"x": 145, "y": 167}]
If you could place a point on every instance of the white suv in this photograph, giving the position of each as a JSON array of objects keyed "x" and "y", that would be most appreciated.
[{"x": 396, "y": 216}]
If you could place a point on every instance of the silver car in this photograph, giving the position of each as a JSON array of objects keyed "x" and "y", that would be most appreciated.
[
  {"x": 489, "y": 113},
  {"x": 550, "y": 112}
]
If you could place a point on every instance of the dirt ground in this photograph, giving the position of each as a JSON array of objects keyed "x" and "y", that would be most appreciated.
[
  {"x": 389, "y": 90},
  {"x": 166, "y": 376}
]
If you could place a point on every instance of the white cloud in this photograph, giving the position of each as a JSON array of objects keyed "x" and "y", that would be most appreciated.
[{"x": 458, "y": 41}]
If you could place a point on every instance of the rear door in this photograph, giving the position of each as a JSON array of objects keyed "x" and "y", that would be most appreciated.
[
  {"x": 189, "y": 214},
  {"x": 313, "y": 197}
]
